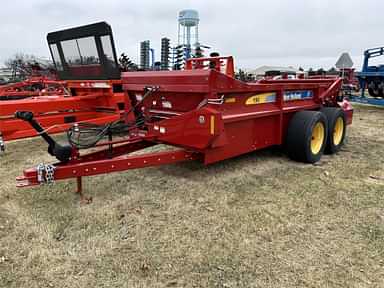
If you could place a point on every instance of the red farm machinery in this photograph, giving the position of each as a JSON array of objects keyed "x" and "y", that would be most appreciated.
[
  {"x": 33, "y": 87},
  {"x": 89, "y": 88},
  {"x": 203, "y": 112}
]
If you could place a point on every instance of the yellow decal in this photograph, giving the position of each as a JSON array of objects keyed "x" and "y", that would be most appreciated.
[
  {"x": 212, "y": 125},
  {"x": 230, "y": 100},
  {"x": 261, "y": 99}
]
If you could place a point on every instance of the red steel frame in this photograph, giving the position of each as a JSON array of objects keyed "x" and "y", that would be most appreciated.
[{"x": 208, "y": 115}]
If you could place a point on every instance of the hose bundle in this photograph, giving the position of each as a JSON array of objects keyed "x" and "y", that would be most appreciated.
[{"x": 87, "y": 135}]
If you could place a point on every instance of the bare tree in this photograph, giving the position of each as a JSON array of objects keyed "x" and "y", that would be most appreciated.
[{"x": 127, "y": 64}]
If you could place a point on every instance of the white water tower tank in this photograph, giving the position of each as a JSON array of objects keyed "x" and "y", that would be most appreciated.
[
  {"x": 189, "y": 18},
  {"x": 188, "y": 35}
]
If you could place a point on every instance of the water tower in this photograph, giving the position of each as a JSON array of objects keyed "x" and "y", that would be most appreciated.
[{"x": 188, "y": 30}]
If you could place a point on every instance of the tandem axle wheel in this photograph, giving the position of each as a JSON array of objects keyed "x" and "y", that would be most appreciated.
[{"x": 312, "y": 133}]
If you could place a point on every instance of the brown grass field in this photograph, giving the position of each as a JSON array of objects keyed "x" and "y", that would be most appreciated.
[{"x": 259, "y": 220}]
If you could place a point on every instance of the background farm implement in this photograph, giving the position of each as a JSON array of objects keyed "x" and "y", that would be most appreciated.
[
  {"x": 371, "y": 78},
  {"x": 89, "y": 88},
  {"x": 33, "y": 87}
]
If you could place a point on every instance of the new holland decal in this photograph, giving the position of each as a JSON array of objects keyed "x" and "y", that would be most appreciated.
[
  {"x": 261, "y": 99},
  {"x": 297, "y": 95},
  {"x": 271, "y": 97}
]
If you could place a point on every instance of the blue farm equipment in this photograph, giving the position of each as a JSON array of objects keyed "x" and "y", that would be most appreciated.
[{"x": 371, "y": 78}]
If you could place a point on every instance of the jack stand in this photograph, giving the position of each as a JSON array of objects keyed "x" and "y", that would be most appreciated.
[{"x": 84, "y": 200}]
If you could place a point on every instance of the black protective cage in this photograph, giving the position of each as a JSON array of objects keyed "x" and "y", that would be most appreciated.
[{"x": 97, "y": 30}]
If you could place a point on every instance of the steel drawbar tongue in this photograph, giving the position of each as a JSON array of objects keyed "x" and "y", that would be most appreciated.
[{"x": 61, "y": 152}]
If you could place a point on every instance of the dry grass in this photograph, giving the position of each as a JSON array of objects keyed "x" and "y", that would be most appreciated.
[{"x": 255, "y": 221}]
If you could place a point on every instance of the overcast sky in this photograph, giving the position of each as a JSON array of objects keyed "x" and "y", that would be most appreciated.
[{"x": 307, "y": 33}]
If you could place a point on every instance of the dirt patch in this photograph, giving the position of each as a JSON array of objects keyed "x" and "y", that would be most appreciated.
[{"x": 259, "y": 220}]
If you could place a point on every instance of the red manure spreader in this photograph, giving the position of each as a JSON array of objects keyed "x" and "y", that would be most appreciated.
[{"x": 205, "y": 113}]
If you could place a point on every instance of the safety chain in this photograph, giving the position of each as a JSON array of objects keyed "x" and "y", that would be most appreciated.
[
  {"x": 2, "y": 144},
  {"x": 45, "y": 173},
  {"x": 216, "y": 101}
]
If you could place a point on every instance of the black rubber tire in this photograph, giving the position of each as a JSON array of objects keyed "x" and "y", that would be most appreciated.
[
  {"x": 332, "y": 114},
  {"x": 299, "y": 136},
  {"x": 370, "y": 91},
  {"x": 380, "y": 86},
  {"x": 373, "y": 89}
]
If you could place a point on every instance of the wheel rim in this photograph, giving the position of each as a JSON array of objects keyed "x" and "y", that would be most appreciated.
[
  {"x": 338, "y": 131},
  {"x": 318, "y": 135}
]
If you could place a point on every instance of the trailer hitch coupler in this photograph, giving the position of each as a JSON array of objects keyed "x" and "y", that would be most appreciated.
[{"x": 61, "y": 152}]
